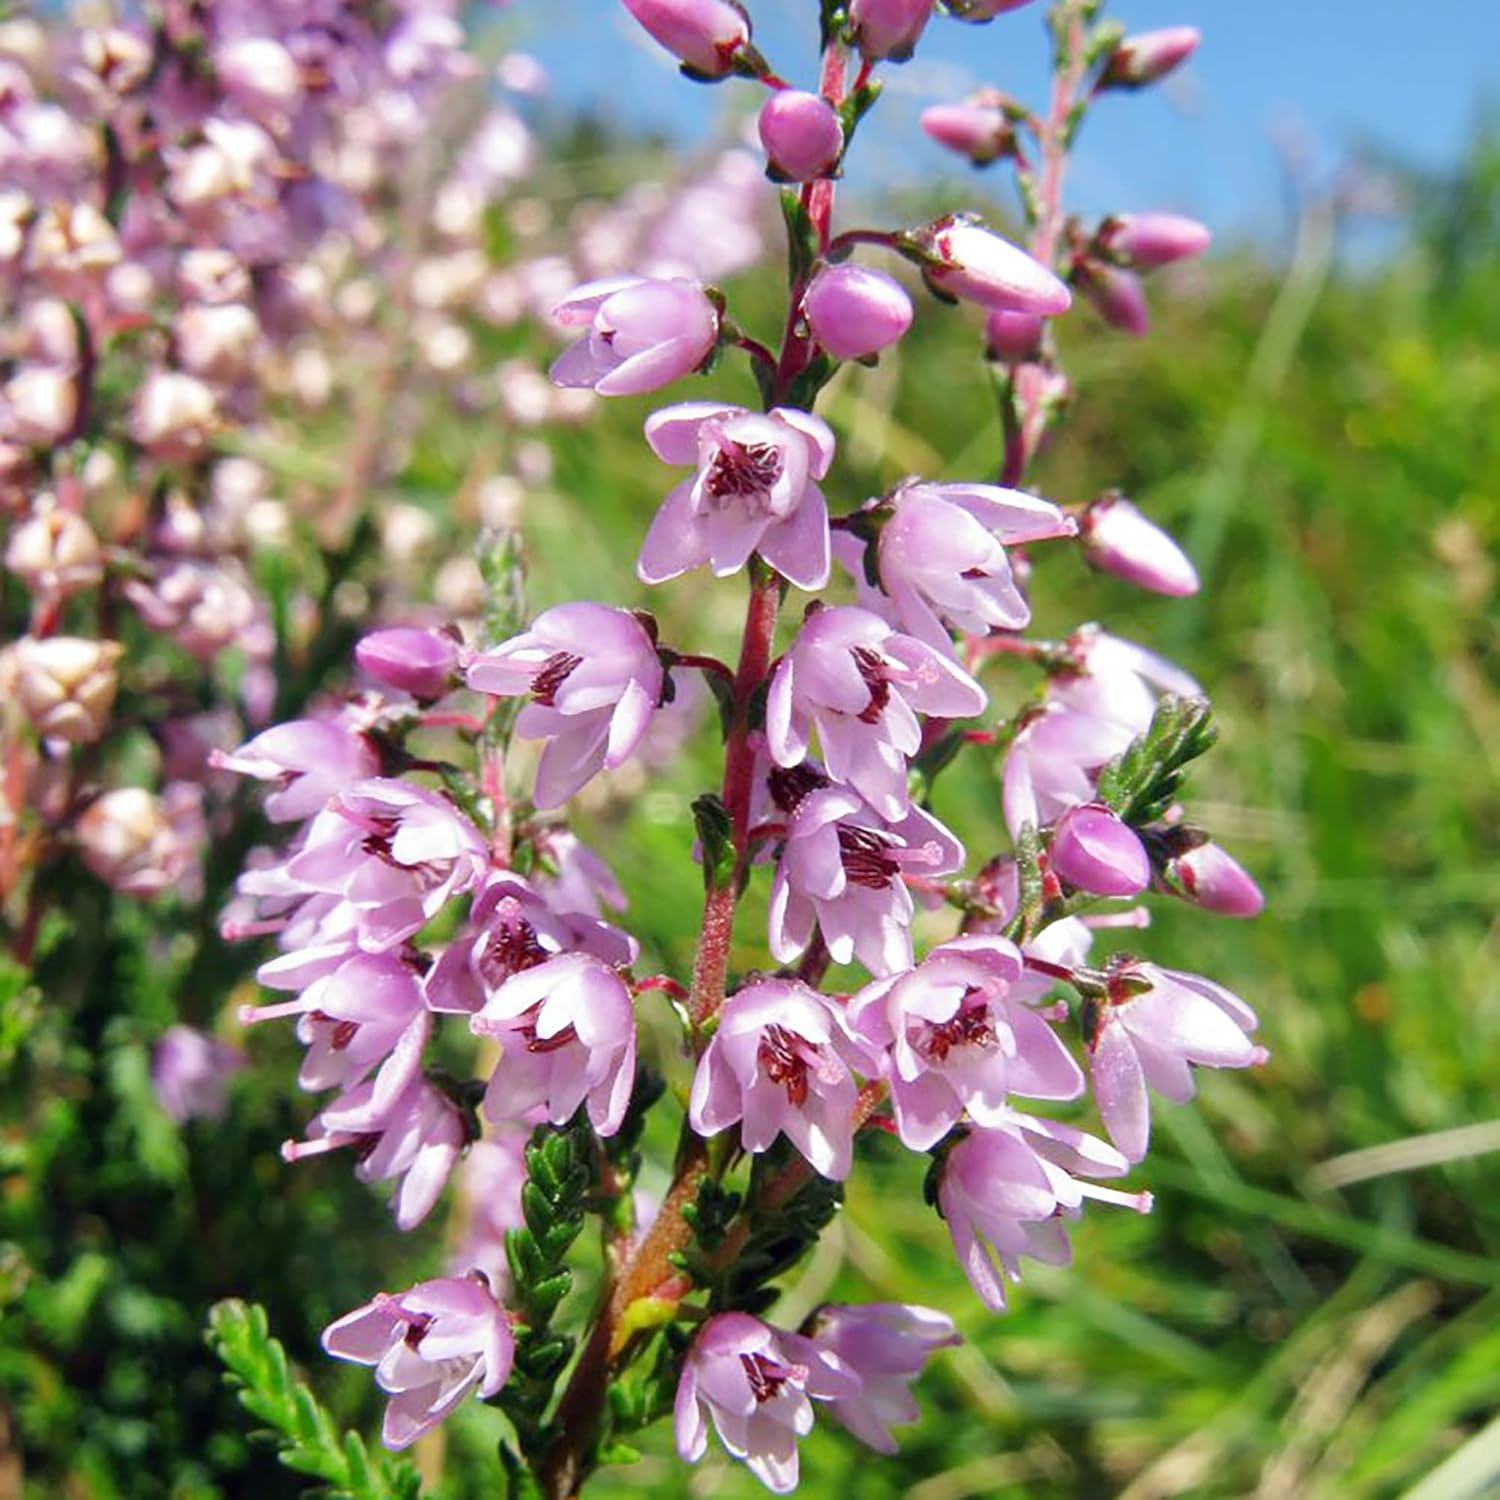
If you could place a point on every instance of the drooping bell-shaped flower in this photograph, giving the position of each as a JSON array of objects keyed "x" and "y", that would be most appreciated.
[
  {"x": 757, "y": 1384},
  {"x": 861, "y": 685},
  {"x": 423, "y": 663},
  {"x": 594, "y": 680},
  {"x": 886, "y": 1344},
  {"x": 855, "y": 312},
  {"x": 309, "y": 760},
  {"x": 431, "y": 1347},
  {"x": 801, "y": 134},
  {"x": 1148, "y": 56},
  {"x": 755, "y": 490},
  {"x": 643, "y": 334},
  {"x": 888, "y": 30},
  {"x": 566, "y": 1030},
  {"x": 1152, "y": 1026},
  {"x": 779, "y": 1064},
  {"x": 706, "y": 35},
  {"x": 954, "y": 1036},
  {"x": 1116, "y": 538},
  {"x": 1148, "y": 241}
]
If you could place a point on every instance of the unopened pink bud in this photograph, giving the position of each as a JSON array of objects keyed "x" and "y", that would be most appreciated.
[
  {"x": 1210, "y": 878},
  {"x": 1146, "y": 241},
  {"x": 1012, "y": 337},
  {"x": 420, "y": 662},
  {"x": 801, "y": 134},
  {"x": 1095, "y": 851},
  {"x": 707, "y": 35},
  {"x": 981, "y": 132},
  {"x": 1143, "y": 59},
  {"x": 1117, "y": 297},
  {"x": 968, "y": 261},
  {"x": 1118, "y": 539},
  {"x": 981, "y": 10},
  {"x": 888, "y": 29},
  {"x": 855, "y": 312}
]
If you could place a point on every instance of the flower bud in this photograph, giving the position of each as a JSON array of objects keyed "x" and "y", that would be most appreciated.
[
  {"x": 66, "y": 685},
  {"x": 173, "y": 413},
  {"x": 56, "y": 554},
  {"x": 1143, "y": 59},
  {"x": 1210, "y": 878},
  {"x": 1117, "y": 297},
  {"x": 72, "y": 241},
  {"x": 979, "y": 11},
  {"x": 1095, "y": 851},
  {"x": 643, "y": 334},
  {"x": 855, "y": 312},
  {"x": 1118, "y": 539},
  {"x": 707, "y": 35},
  {"x": 260, "y": 75},
  {"x": 215, "y": 342},
  {"x": 420, "y": 662},
  {"x": 43, "y": 404},
  {"x": 1011, "y": 338},
  {"x": 965, "y": 260},
  {"x": 978, "y": 130},
  {"x": 888, "y": 29},
  {"x": 128, "y": 841},
  {"x": 1146, "y": 241},
  {"x": 801, "y": 134},
  {"x": 50, "y": 332}
]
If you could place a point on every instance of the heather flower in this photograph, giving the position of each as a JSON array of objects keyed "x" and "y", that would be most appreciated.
[
  {"x": 415, "y": 1137},
  {"x": 887, "y": 1344},
  {"x": 954, "y": 1037},
  {"x": 862, "y": 684},
  {"x": 642, "y": 334},
  {"x": 982, "y": 10},
  {"x": 779, "y": 1064},
  {"x": 573, "y": 878},
  {"x": 1116, "y": 538},
  {"x": 366, "y": 1012},
  {"x": 131, "y": 841},
  {"x": 40, "y": 405},
  {"x": 308, "y": 759},
  {"x": 1094, "y": 851},
  {"x": 755, "y": 490},
  {"x": 55, "y": 553},
  {"x": 757, "y": 1384},
  {"x": 423, "y": 663},
  {"x": 594, "y": 680},
  {"x": 1117, "y": 296},
  {"x": 1005, "y": 1192},
  {"x": 1153, "y": 1024},
  {"x": 431, "y": 1347},
  {"x": 1149, "y": 56},
  {"x": 802, "y": 135},
  {"x": 488, "y": 1185},
  {"x": 855, "y": 312},
  {"x": 66, "y": 684},
  {"x": 1211, "y": 878},
  {"x": 1145, "y": 242},
  {"x": 203, "y": 606},
  {"x": 190, "y": 1074},
  {"x": 941, "y": 557},
  {"x": 174, "y": 414},
  {"x": 965, "y": 260},
  {"x": 841, "y": 870},
  {"x": 888, "y": 30},
  {"x": 513, "y": 926},
  {"x": 707, "y": 35},
  {"x": 1012, "y": 337},
  {"x": 979, "y": 129},
  {"x": 566, "y": 1030}
]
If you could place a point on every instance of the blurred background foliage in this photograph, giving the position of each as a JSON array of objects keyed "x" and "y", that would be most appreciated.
[{"x": 1293, "y": 1319}]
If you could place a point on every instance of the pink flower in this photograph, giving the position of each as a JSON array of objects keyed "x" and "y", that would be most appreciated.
[
  {"x": 415, "y": 1137},
  {"x": 953, "y": 1036},
  {"x": 1094, "y": 851},
  {"x": 707, "y": 35},
  {"x": 190, "y": 1074},
  {"x": 978, "y": 129},
  {"x": 1005, "y": 1192},
  {"x": 758, "y": 1384},
  {"x": 802, "y": 135},
  {"x": 423, "y": 663},
  {"x": 430, "y": 1346},
  {"x": 779, "y": 1064},
  {"x": 982, "y": 10},
  {"x": 965, "y": 260},
  {"x": 642, "y": 334},
  {"x": 840, "y": 869},
  {"x": 512, "y": 927},
  {"x": 310, "y": 759},
  {"x": 1211, "y": 878},
  {"x": 1153, "y": 1025},
  {"x": 1012, "y": 337},
  {"x": 1118, "y": 539},
  {"x": 862, "y": 684},
  {"x": 488, "y": 1185},
  {"x": 1151, "y": 55},
  {"x": 566, "y": 1030},
  {"x": 594, "y": 679},
  {"x": 755, "y": 490},
  {"x": 942, "y": 562},
  {"x": 886, "y": 1344},
  {"x": 888, "y": 30},
  {"x": 855, "y": 312},
  {"x": 1147, "y": 241},
  {"x": 1117, "y": 297}
]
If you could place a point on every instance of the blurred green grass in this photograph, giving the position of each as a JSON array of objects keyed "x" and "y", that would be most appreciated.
[{"x": 1326, "y": 445}]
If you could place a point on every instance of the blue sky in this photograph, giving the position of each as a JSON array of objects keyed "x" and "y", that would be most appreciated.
[{"x": 1326, "y": 74}]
